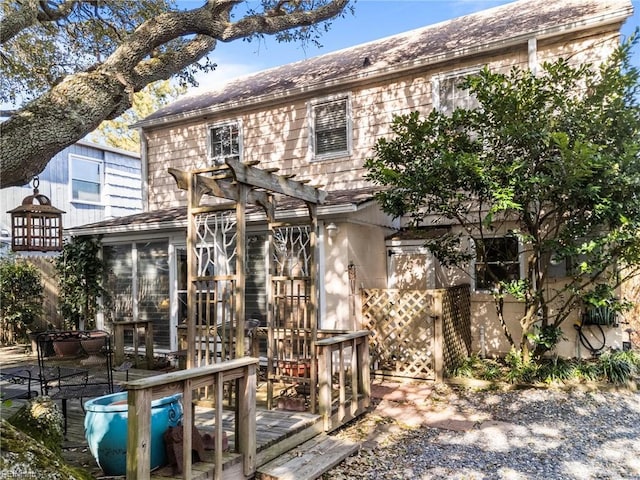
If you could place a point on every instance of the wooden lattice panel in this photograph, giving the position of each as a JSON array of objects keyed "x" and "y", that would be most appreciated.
[
  {"x": 402, "y": 331},
  {"x": 456, "y": 325}
]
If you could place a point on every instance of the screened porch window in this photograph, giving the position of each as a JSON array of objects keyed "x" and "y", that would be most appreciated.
[
  {"x": 137, "y": 276},
  {"x": 331, "y": 135}
]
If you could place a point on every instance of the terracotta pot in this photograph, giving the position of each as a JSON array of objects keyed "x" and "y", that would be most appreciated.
[
  {"x": 93, "y": 345},
  {"x": 67, "y": 347},
  {"x": 292, "y": 368}
]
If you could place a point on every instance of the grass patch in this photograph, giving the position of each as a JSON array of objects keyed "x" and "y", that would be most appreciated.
[{"x": 613, "y": 367}]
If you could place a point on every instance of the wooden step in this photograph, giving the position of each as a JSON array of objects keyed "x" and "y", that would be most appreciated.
[{"x": 309, "y": 460}]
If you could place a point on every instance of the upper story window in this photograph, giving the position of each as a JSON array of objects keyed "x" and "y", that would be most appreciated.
[
  {"x": 86, "y": 179},
  {"x": 447, "y": 95},
  {"x": 225, "y": 142},
  {"x": 497, "y": 260},
  {"x": 330, "y": 127}
]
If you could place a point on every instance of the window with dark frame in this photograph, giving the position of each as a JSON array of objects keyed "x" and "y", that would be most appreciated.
[
  {"x": 330, "y": 127},
  {"x": 224, "y": 142},
  {"x": 497, "y": 260}
]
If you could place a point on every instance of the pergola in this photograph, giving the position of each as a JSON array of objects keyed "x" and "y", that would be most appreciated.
[{"x": 216, "y": 280}]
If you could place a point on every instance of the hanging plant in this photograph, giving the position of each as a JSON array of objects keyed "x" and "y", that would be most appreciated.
[{"x": 80, "y": 274}]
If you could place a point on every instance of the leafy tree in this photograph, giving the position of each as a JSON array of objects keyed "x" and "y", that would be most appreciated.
[
  {"x": 80, "y": 275},
  {"x": 79, "y": 62},
  {"x": 116, "y": 132},
  {"x": 21, "y": 297},
  {"x": 553, "y": 158}
]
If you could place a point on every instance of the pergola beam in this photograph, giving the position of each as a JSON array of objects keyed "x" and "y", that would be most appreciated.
[{"x": 275, "y": 183}]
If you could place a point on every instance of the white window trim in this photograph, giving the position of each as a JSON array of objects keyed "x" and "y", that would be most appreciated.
[
  {"x": 436, "y": 79},
  {"x": 472, "y": 263},
  {"x": 213, "y": 160},
  {"x": 312, "y": 134},
  {"x": 101, "y": 163}
]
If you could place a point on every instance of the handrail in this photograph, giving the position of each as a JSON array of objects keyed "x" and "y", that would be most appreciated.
[
  {"x": 141, "y": 392},
  {"x": 352, "y": 369},
  {"x": 343, "y": 337}
]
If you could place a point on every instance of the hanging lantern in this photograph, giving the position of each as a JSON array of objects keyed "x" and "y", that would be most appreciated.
[{"x": 36, "y": 226}]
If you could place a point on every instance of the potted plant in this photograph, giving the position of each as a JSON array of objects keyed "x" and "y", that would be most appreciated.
[
  {"x": 21, "y": 298},
  {"x": 602, "y": 307},
  {"x": 80, "y": 274}
]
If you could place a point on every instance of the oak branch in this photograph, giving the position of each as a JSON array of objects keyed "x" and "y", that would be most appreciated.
[{"x": 77, "y": 104}]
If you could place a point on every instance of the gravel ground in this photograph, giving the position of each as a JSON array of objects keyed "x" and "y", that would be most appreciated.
[{"x": 522, "y": 434}]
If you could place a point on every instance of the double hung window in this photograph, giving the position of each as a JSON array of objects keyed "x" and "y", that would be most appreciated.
[
  {"x": 225, "y": 142},
  {"x": 447, "y": 94},
  {"x": 330, "y": 127}
]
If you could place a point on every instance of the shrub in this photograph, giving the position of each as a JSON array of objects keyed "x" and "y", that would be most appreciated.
[
  {"x": 21, "y": 298},
  {"x": 618, "y": 367}
]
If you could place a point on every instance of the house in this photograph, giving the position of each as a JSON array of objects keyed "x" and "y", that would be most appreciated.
[
  {"x": 318, "y": 119},
  {"x": 90, "y": 183}
]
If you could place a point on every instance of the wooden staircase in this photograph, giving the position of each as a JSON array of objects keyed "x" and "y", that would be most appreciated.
[{"x": 309, "y": 460}]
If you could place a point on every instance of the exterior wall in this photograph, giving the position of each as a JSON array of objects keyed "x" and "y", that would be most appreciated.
[
  {"x": 278, "y": 136},
  {"x": 121, "y": 187},
  {"x": 361, "y": 246}
]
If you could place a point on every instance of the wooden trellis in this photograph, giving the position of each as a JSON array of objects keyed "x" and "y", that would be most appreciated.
[
  {"x": 215, "y": 299},
  {"x": 417, "y": 333}
]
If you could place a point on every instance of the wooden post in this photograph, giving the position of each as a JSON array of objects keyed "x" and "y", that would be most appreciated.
[
  {"x": 438, "y": 341},
  {"x": 139, "y": 434},
  {"x": 246, "y": 419},
  {"x": 324, "y": 385},
  {"x": 355, "y": 381},
  {"x": 365, "y": 375},
  {"x": 187, "y": 426},
  {"x": 341, "y": 383},
  {"x": 313, "y": 302},
  {"x": 219, "y": 395},
  {"x": 118, "y": 338},
  {"x": 241, "y": 240},
  {"x": 148, "y": 344},
  {"x": 192, "y": 198}
]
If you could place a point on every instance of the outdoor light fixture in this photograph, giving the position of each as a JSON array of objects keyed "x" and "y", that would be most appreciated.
[
  {"x": 36, "y": 226},
  {"x": 332, "y": 230}
]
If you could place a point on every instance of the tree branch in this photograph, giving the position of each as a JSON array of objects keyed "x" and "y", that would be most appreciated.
[
  {"x": 28, "y": 14},
  {"x": 76, "y": 106}
]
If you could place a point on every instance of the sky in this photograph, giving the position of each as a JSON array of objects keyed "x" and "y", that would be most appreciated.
[{"x": 372, "y": 20}]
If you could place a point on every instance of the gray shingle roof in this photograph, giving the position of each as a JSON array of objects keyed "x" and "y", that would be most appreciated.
[
  {"x": 485, "y": 30},
  {"x": 177, "y": 217}
]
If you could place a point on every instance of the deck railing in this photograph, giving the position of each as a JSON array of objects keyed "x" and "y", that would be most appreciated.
[
  {"x": 343, "y": 368},
  {"x": 143, "y": 391}
]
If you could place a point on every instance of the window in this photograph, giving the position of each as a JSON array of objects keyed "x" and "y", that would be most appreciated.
[
  {"x": 447, "y": 96},
  {"x": 499, "y": 260},
  {"x": 330, "y": 128},
  {"x": 137, "y": 277},
  {"x": 224, "y": 142},
  {"x": 86, "y": 180}
]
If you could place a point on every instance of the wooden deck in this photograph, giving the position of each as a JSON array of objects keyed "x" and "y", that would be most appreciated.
[
  {"x": 262, "y": 442},
  {"x": 277, "y": 431}
]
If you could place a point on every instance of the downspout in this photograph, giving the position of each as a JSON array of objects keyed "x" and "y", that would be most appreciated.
[
  {"x": 532, "y": 49},
  {"x": 144, "y": 169}
]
